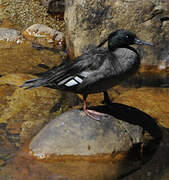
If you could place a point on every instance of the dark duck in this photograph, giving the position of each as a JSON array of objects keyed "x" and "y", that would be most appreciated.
[{"x": 96, "y": 70}]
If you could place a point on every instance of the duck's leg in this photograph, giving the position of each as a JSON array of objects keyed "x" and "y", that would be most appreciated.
[
  {"x": 106, "y": 98},
  {"x": 86, "y": 110},
  {"x": 90, "y": 113}
]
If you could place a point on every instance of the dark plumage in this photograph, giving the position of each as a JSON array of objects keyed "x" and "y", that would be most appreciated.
[{"x": 96, "y": 70}]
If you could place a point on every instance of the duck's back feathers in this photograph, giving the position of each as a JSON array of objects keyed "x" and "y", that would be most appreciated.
[
  {"x": 63, "y": 76},
  {"x": 92, "y": 72}
]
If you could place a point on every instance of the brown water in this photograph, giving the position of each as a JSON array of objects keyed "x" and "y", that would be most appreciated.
[{"x": 153, "y": 165}]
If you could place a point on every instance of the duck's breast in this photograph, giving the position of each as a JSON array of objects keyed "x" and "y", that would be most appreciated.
[{"x": 125, "y": 61}]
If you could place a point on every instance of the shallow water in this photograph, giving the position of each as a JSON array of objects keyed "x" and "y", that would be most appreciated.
[{"x": 153, "y": 165}]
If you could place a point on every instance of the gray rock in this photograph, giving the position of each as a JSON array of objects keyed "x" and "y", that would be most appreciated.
[
  {"x": 54, "y": 6},
  {"x": 9, "y": 34},
  {"x": 74, "y": 133},
  {"x": 45, "y": 2},
  {"x": 42, "y": 34},
  {"x": 89, "y": 22}
]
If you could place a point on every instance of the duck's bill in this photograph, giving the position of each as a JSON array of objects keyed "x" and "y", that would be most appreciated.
[{"x": 140, "y": 42}]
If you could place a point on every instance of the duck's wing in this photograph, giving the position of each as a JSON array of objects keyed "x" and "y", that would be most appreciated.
[
  {"x": 78, "y": 71},
  {"x": 116, "y": 67},
  {"x": 69, "y": 76},
  {"x": 93, "y": 78}
]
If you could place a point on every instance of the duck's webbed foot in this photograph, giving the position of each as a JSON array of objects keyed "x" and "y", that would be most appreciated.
[{"x": 91, "y": 113}]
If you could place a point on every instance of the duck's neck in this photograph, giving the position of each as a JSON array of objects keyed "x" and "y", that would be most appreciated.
[
  {"x": 113, "y": 47},
  {"x": 115, "y": 44}
]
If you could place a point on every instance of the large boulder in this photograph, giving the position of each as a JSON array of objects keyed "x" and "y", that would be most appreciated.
[
  {"x": 89, "y": 22},
  {"x": 75, "y": 135}
]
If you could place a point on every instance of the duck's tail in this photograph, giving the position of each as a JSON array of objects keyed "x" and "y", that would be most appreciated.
[{"x": 34, "y": 83}]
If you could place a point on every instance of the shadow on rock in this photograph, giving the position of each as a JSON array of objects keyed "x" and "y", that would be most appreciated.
[
  {"x": 133, "y": 116},
  {"x": 136, "y": 117}
]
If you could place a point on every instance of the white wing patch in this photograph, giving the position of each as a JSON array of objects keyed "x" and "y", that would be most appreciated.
[
  {"x": 78, "y": 79},
  {"x": 64, "y": 81},
  {"x": 73, "y": 81}
]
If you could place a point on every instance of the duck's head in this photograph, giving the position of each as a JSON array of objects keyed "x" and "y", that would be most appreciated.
[{"x": 124, "y": 38}]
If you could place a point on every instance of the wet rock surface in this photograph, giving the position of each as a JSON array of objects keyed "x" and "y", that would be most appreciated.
[
  {"x": 74, "y": 133},
  {"x": 9, "y": 34},
  {"x": 22, "y": 58},
  {"x": 89, "y": 22},
  {"x": 27, "y": 111},
  {"x": 45, "y": 35}
]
